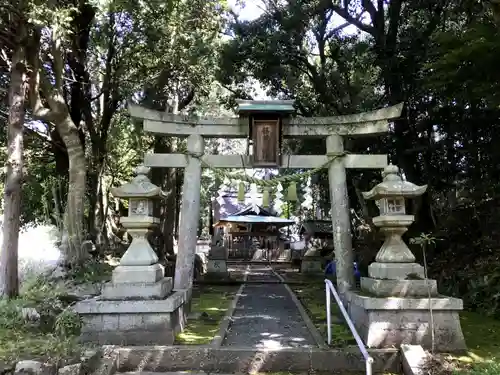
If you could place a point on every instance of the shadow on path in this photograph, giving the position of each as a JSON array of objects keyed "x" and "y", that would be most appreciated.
[{"x": 266, "y": 316}]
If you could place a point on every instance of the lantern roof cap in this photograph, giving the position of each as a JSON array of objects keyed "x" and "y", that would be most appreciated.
[
  {"x": 256, "y": 106},
  {"x": 139, "y": 187},
  {"x": 394, "y": 186}
]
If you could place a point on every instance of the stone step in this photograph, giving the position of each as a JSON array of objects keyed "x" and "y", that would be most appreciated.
[{"x": 238, "y": 360}]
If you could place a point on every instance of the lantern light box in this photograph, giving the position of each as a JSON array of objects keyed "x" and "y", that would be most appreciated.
[
  {"x": 265, "y": 121},
  {"x": 392, "y": 206},
  {"x": 391, "y": 194}
]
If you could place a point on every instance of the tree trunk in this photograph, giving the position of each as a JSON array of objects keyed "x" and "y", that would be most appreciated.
[
  {"x": 55, "y": 110},
  {"x": 165, "y": 177},
  {"x": 73, "y": 235},
  {"x": 179, "y": 181},
  {"x": 169, "y": 210},
  {"x": 12, "y": 194}
]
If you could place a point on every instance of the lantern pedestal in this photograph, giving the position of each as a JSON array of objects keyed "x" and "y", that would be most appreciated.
[
  {"x": 312, "y": 262},
  {"x": 393, "y": 321},
  {"x": 138, "y": 276},
  {"x": 138, "y": 306},
  {"x": 395, "y": 273},
  {"x": 312, "y": 265},
  {"x": 217, "y": 263}
]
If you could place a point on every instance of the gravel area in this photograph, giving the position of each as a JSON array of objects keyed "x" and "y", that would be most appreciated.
[{"x": 266, "y": 316}]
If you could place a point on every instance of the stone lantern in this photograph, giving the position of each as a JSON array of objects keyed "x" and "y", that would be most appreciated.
[
  {"x": 138, "y": 306},
  {"x": 394, "y": 260},
  {"x": 139, "y": 264},
  {"x": 396, "y": 304}
]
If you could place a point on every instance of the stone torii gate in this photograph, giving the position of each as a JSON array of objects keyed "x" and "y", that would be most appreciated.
[{"x": 254, "y": 113}]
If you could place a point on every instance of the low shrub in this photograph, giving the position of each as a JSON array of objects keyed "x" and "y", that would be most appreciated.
[{"x": 39, "y": 324}]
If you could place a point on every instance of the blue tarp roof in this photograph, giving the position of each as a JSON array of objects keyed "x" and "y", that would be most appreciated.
[{"x": 253, "y": 219}]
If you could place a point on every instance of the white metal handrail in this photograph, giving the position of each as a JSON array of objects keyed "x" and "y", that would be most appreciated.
[{"x": 330, "y": 288}]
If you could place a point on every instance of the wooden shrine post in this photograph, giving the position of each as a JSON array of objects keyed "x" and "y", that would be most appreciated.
[{"x": 333, "y": 129}]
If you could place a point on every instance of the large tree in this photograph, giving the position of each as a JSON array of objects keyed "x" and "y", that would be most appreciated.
[{"x": 14, "y": 162}]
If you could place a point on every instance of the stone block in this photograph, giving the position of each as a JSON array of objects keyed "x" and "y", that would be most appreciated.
[
  {"x": 138, "y": 322},
  {"x": 97, "y": 306},
  {"x": 399, "y": 288},
  {"x": 137, "y": 274},
  {"x": 311, "y": 265},
  {"x": 30, "y": 367},
  {"x": 395, "y": 271},
  {"x": 392, "y": 322},
  {"x": 247, "y": 360},
  {"x": 217, "y": 266},
  {"x": 414, "y": 359},
  {"x": 140, "y": 291}
]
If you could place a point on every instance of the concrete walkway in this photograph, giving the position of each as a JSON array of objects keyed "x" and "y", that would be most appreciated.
[{"x": 266, "y": 316}]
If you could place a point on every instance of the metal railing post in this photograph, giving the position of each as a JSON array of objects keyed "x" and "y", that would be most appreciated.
[
  {"x": 369, "y": 368},
  {"x": 330, "y": 288},
  {"x": 328, "y": 315}
]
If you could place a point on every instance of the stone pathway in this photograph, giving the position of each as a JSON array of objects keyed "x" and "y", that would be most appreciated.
[{"x": 266, "y": 316}]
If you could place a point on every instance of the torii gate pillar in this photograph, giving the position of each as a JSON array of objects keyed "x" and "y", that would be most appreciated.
[
  {"x": 341, "y": 222},
  {"x": 190, "y": 214}
]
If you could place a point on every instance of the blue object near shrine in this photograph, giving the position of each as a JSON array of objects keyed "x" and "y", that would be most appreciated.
[{"x": 331, "y": 269}]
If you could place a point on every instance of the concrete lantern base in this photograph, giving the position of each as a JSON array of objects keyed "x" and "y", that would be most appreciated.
[
  {"x": 399, "y": 288},
  {"x": 312, "y": 265},
  {"x": 133, "y": 322},
  {"x": 393, "y": 321}
]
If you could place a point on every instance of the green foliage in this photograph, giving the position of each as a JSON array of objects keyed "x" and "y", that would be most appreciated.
[
  {"x": 464, "y": 60},
  {"x": 67, "y": 324},
  {"x": 93, "y": 271},
  {"x": 39, "y": 324}
]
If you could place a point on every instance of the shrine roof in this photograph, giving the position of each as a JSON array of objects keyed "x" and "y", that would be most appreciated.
[
  {"x": 285, "y": 106},
  {"x": 254, "y": 219},
  {"x": 254, "y": 210},
  {"x": 317, "y": 226}
]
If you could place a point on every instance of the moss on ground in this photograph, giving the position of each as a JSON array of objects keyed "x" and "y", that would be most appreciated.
[
  {"x": 211, "y": 303},
  {"x": 312, "y": 297}
]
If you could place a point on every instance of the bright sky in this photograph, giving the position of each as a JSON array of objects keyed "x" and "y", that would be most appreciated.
[{"x": 254, "y": 8}]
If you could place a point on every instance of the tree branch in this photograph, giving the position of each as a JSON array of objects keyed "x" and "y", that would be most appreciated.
[
  {"x": 356, "y": 21},
  {"x": 39, "y": 111},
  {"x": 44, "y": 138},
  {"x": 57, "y": 58}
]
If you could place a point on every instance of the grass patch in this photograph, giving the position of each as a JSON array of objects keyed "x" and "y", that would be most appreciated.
[
  {"x": 482, "y": 335},
  {"x": 312, "y": 297},
  {"x": 39, "y": 325},
  {"x": 209, "y": 303}
]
